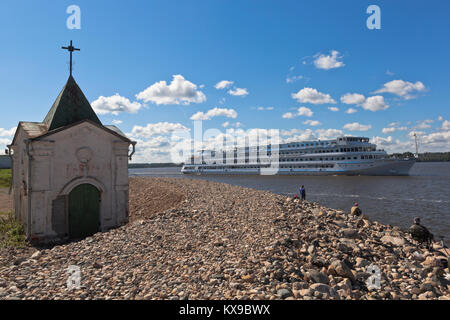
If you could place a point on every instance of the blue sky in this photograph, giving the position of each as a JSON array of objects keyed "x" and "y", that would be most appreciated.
[{"x": 287, "y": 63}]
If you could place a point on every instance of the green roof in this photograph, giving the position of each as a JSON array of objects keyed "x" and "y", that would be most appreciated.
[{"x": 70, "y": 107}]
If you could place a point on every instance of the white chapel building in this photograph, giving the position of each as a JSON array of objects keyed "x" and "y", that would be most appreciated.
[{"x": 70, "y": 172}]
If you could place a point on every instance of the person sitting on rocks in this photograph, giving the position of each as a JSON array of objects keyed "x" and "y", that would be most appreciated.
[
  {"x": 355, "y": 211},
  {"x": 420, "y": 234}
]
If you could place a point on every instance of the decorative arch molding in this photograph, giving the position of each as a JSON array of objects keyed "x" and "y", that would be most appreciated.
[{"x": 82, "y": 180}]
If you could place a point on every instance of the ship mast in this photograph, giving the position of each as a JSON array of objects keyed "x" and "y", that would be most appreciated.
[{"x": 416, "y": 155}]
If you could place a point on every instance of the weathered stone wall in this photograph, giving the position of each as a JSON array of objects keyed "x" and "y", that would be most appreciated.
[{"x": 60, "y": 162}]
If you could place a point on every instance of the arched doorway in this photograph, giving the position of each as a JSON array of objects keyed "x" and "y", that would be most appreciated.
[{"x": 84, "y": 211}]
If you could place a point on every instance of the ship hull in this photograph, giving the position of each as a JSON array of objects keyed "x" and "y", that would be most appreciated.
[{"x": 389, "y": 167}]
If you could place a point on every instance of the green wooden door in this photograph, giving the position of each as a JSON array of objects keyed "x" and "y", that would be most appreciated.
[{"x": 84, "y": 211}]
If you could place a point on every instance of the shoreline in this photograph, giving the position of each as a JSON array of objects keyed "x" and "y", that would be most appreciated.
[{"x": 197, "y": 239}]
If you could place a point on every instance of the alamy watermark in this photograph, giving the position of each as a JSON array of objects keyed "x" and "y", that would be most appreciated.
[
  {"x": 74, "y": 279},
  {"x": 74, "y": 20},
  {"x": 374, "y": 20},
  {"x": 374, "y": 281}
]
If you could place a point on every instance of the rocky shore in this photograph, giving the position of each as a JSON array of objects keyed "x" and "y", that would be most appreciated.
[{"x": 192, "y": 239}]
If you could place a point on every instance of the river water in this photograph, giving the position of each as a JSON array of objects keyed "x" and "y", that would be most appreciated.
[{"x": 425, "y": 193}]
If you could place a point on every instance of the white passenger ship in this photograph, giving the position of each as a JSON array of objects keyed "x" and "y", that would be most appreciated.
[{"x": 340, "y": 156}]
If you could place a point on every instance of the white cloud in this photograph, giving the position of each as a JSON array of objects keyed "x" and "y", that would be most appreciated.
[
  {"x": 389, "y": 73},
  {"x": 355, "y": 126},
  {"x": 265, "y": 108},
  {"x": 7, "y": 133},
  {"x": 179, "y": 91},
  {"x": 325, "y": 134},
  {"x": 288, "y": 115},
  {"x": 334, "y": 109},
  {"x": 351, "y": 110},
  {"x": 216, "y": 112},
  {"x": 115, "y": 104},
  {"x": 392, "y": 129},
  {"x": 312, "y": 123},
  {"x": 225, "y": 124},
  {"x": 440, "y": 118},
  {"x": 293, "y": 79},
  {"x": 223, "y": 84},
  {"x": 402, "y": 88},
  {"x": 302, "y": 111},
  {"x": 310, "y": 95},
  {"x": 375, "y": 103},
  {"x": 238, "y": 92},
  {"x": 353, "y": 98},
  {"x": 117, "y": 121},
  {"x": 446, "y": 125},
  {"x": 425, "y": 124},
  {"x": 388, "y": 130},
  {"x": 327, "y": 62},
  {"x": 159, "y": 128}
]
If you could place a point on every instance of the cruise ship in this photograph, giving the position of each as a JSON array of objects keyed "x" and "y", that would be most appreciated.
[{"x": 340, "y": 156}]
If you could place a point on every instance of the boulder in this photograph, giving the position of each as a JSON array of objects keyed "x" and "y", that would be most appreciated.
[
  {"x": 317, "y": 276},
  {"x": 396, "y": 241},
  {"x": 324, "y": 289},
  {"x": 339, "y": 268}
]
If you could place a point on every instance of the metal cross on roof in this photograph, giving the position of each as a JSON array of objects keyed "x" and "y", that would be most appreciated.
[{"x": 71, "y": 49}]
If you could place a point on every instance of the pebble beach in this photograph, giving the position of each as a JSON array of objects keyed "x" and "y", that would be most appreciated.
[{"x": 195, "y": 239}]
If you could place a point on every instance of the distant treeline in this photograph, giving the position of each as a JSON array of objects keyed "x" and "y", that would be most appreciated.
[
  {"x": 154, "y": 165},
  {"x": 426, "y": 157}
]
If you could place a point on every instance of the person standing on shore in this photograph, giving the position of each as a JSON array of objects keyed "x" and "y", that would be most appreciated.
[
  {"x": 355, "y": 210},
  {"x": 303, "y": 193}
]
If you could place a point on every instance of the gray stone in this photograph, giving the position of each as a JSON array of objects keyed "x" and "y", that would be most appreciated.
[
  {"x": 284, "y": 293},
  {"x": 397, "y": 241},
  {"x": 317, "y": 276}
]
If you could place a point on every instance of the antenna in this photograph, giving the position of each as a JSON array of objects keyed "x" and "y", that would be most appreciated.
[{"x": 416, "y": 155}]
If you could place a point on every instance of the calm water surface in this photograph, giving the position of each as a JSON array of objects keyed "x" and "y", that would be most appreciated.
[{"x": 390, "y": 200}]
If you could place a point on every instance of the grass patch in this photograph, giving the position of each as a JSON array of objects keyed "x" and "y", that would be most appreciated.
[
  {"x": 12, "y": 233},
  {"x": 5, "y": 178}
]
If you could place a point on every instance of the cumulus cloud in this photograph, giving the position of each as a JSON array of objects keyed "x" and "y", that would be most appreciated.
[
  {"x": 265, "y": 108},
  {"x": 179, "y": 91},
  {"x": 425, "y": 124},
  {"x": 216, "y": 112},
  {"x": 375, "y": 103},
  {"x": 288, "y": 115},
  {"x": 117, "y": 121},
  {"x": 351, "y": 111},
  {"x": 327, "y": 62},
  {"x": 7, "y": 133},
  {"x": 311, "y": 95},
  {"x": 334, "y": 109},
  {"x": 392, "y": 129},
  {"x": 312, "y": 123},
  {"x": 115, "y": 104},
  {"x": 325, "y": 134},
  {"x": 355, "y": 126},
  {"x": 238, "y": 92},
  {"x": 159, "y": 128},
  {"x": 353, "y": 98},
  {"x": 404, "y": 89},
  {"x": 223, "y": 84},
  {"x": 302, "y": 111},
  {"x": 446, "y": 125}
]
